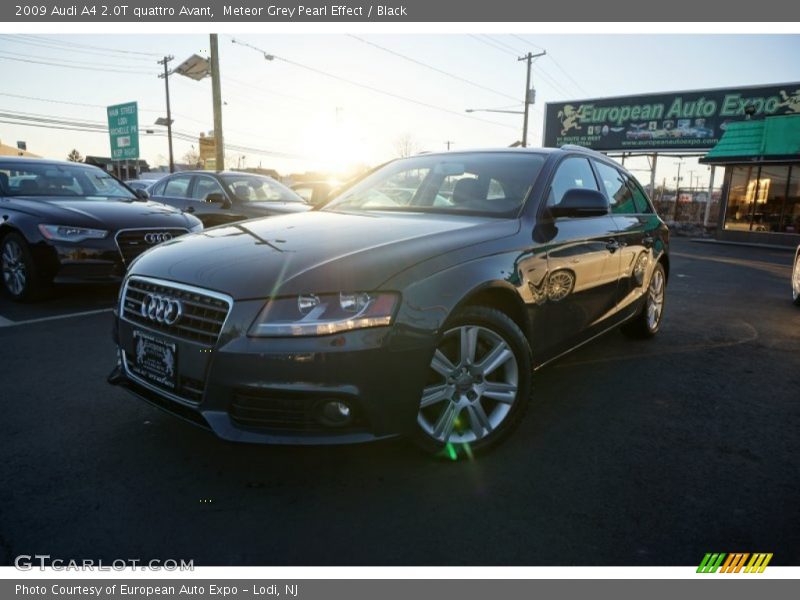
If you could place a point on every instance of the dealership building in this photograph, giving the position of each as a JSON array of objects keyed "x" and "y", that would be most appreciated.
[
  {"x": 748, "y": 136},
  {"x": 761, "y": 189}
]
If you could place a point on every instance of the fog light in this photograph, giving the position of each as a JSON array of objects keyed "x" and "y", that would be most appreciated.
[{"x": 335, "y": 413}]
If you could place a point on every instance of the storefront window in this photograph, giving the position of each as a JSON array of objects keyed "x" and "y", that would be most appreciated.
[
  {"x": 791, "y": 212},
  {"x": 741, "y": 197},
  {"x": 770, "y": 198}
]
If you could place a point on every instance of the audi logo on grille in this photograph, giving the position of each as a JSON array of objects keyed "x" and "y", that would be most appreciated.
[
  {"x": 161, "y": 309},
  {"x": 157, "y": 237}
]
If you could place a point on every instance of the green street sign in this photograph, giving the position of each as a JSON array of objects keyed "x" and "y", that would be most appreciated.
[{"x": 123, "y": 131}]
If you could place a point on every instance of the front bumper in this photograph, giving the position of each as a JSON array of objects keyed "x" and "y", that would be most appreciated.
[{"x": 270, "y": 390}]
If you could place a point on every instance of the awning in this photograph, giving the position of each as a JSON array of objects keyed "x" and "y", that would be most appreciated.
[{"x": 767, "y": 140}]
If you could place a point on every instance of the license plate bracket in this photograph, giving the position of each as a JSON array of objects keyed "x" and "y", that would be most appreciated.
[{"x": 155, "y": 359}]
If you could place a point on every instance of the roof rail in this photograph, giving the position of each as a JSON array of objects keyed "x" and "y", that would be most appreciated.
[{"x": 580, "y": 149}]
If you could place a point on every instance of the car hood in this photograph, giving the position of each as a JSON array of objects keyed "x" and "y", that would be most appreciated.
[
  {"x": 281, "y": 207},
  {"x": 318, "y": 251},
  {"x": 101, "y": 214}
]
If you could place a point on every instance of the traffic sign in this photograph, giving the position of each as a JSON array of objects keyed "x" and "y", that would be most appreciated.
[{"x": 123, "y": 131}]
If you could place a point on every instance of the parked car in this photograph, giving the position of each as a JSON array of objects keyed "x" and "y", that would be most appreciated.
[
  {"x": 227, "y": 197},
  {"x": 796, "y": 278},
  {"x": 69, "y": 222},
  {"x": 367, "y": 319},
  {"x": 315, "y": 192},
  {"x": 139, "y": 184}
]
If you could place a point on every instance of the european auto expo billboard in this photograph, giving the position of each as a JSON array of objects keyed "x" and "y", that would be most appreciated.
[{"x": 669, "y": 121}]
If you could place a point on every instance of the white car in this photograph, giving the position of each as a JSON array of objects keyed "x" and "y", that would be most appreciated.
[{"x": 796, "y": 278}]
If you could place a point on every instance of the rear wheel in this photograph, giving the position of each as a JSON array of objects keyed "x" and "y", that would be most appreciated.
[
  {"x": 478, "y": 386},
  {"x": 647, "y": 323},
  {"x": 796, "y": 281},
  {"x": 21, "y": 279}
]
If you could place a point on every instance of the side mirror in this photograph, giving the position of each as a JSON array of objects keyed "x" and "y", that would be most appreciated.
[
  {"x": 141, "y": 194},
  {"x": 580, "y": 202},
  {"x": 218, "y": 198}
]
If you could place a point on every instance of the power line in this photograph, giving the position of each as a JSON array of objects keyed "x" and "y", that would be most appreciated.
[
  {"x": 70, "y": 44},
  {"x": 88, "y": 105},
  {"x": 558, "y": 66},
  {"x": 69, "y": 66},
  {"x": 509, "y": 46},
  {"x": 527, "y": 42},
  {"x": 64, "y": 123},
  {"x": 432, "y": 68},
  {"x": 81, "y": 63},
  {"x": 491, "y": 44},
  {"x": 370, "y": 87},
  {"x": 17, "y": 39}
]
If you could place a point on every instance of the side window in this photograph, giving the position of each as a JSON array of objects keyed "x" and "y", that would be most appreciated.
[
  {"x": 639, "y": 197},
  {"x": 158, "y": 189},
  {"x": 573, "y": 172},
  {"x": 177, "y": 187},
  {"x": 203, "y": 186},
  {"x": 619, "y": 194}
]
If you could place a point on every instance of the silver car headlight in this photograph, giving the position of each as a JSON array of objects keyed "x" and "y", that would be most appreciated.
[
  {"x": 67, "y": 233},
  {"x": 324, "y": 314}
]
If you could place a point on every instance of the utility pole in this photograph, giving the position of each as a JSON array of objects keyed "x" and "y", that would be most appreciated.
[
  {"x": 529, "y": 94},
  {"x": 447, "y": 143},
  {"x": 217, "y": 99},
  {"x": 677, "y": 190},
  {"x": 165, "y": 62}
]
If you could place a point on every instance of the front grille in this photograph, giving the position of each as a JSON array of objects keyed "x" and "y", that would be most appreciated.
[
  {"x": 203, "y": 314},
  {"x": 285, "y": 412},
  {"x": 131, "y": 242}
]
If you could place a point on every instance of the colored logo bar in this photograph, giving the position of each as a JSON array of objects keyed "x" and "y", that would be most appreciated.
[{"x": 735, "y": 562}]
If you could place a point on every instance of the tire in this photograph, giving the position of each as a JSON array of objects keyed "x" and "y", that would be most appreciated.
[
  {"x": 796, "y": 281},
  {"x": 22, "y": 280},
  {"x": 471, "y": 403},
  {"x": 648, "y": 320}
]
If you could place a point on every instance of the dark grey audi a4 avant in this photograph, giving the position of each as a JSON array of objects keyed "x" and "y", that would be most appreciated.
[{"x": 419, "y": 301}]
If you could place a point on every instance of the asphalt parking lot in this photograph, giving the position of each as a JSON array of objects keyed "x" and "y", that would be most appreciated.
[{"x": 633, "y": 453}]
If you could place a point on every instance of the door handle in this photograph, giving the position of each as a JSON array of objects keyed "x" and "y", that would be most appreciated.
[
  {"x": 648, "y": 241},
  {"x": 612, "y": 246}
]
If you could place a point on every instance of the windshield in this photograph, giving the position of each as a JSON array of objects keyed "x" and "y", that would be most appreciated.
[
  {"x": 487, "y": 183},
  {"x": 47, "y": 179},
  {"x": 257, "y": 188}
]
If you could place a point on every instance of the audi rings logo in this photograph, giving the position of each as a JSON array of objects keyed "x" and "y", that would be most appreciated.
[
  {"x": 157, "y": 237},
  {"x": 161, "y": 309}
]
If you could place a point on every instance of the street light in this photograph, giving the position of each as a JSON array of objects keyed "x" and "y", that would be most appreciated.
[{"x": 495, "y": 110}]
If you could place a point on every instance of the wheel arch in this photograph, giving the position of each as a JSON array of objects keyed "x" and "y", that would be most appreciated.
[{"x": 501, "y": 296}]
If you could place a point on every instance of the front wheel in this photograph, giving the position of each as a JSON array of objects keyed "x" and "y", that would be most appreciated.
[
  {"x": 479, "y": 384},
  {"x": 21, "y": 278},
  {"x": 648, "y": 321},
  {"x": 796, "y": 281}
]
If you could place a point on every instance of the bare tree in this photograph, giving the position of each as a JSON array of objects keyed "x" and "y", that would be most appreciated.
[
  {"x": 406, "y": 145},
  {"x": 192, "y": 158},
  {"x": 74, "y": 156}
]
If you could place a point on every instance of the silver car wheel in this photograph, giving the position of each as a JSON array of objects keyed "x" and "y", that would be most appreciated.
[
  {"x": 477, "y": 380},
  {"x": 655, "y": 300},
  {"x": 796, "y": 281},
  {"x": 13, "y": 267}
]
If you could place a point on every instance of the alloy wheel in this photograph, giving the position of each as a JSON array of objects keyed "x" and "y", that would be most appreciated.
[
  {"x": 655, "y": 299},
  {"x": 473, "y": 385},
  {"x": 13, "y": 267},
  {"x": 796, "y": 281}
]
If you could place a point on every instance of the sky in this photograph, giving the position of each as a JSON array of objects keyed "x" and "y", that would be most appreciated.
[{"x": 331, "y": 101}]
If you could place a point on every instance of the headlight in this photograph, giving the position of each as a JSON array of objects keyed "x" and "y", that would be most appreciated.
[
  {"x": 196, "y": 229},
  {"x": 66, "y": 233},
  {"x": 324, "y": 314}
]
